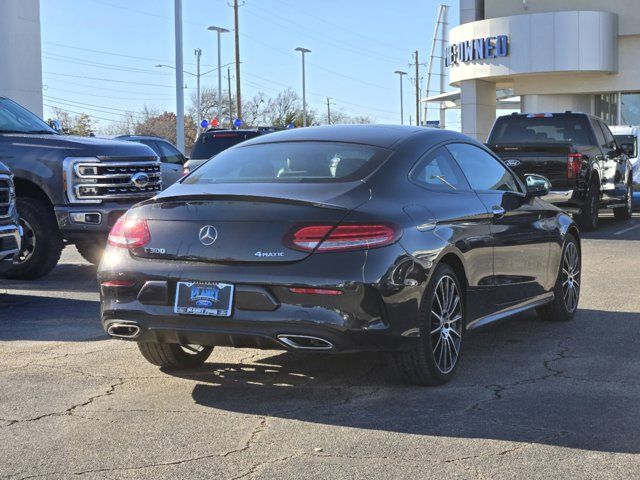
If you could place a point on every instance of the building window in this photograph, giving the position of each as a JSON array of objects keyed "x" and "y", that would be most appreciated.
[
  {"x": 630, "y": 109},
  {"x": 606, "y": 107}
]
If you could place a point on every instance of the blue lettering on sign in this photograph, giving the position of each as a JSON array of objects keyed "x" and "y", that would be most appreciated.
[
  {"x": 477, "y": 49},
  {"x": 204, "y": 293}
]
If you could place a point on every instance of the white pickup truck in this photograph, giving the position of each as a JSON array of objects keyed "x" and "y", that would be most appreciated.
[{"x": 628, "y": 139}]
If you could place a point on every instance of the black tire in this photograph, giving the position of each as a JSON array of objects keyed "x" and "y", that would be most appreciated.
[
  {"x": 559, "y": 309},
  {"x": 626, "y": 212},
  {"x": 587, "y": 219},
  {"x": 42, "y": 241},
  {"x": 419, "y": 365},
  {"x": 91, "y": 250},
  {"x": 173, "y": 356}
]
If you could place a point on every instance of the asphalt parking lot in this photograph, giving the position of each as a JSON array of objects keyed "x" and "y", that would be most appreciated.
[{"x": 532, "y": 399}]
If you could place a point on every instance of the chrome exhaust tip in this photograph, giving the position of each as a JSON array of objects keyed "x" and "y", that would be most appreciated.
[
  {"x": 123, "y": 330},
  {"x": 305, "y": 342}
]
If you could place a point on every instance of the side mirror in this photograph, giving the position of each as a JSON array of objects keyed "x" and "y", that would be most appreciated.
[
  {"x": 537, "y": 185},
  {"x": 56, "y": 125}
]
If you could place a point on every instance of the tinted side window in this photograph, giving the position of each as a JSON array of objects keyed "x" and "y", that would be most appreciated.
[
  {"x": 169, "y": 154},
  {"x": 599, "y": 135},
  {"x": 608, "y": 136},
  {"x": 439, "y": 171},
  {"x": 482, "y": 170},
  {"x": 152, "y": 145}
]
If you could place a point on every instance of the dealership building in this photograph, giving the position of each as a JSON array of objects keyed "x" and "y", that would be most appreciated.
[{"x": 552, "y": 55}]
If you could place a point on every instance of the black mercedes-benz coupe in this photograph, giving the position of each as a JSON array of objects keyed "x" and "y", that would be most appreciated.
[{"x": 335, "y": 239}]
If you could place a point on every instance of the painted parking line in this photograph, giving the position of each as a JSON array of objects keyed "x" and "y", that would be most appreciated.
[{"x": 628, "y": 229}]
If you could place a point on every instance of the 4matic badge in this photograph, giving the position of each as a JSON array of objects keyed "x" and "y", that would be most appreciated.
[{"x": 268, "y": 254}]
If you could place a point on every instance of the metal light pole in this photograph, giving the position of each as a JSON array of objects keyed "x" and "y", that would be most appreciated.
[
  {"x": 304, "y": 88},
  {"x": 400, "y": 74},
  {"x": 179, "y": 78},
  {"x": 198, "y": 53},
  {"x": 219, "y": 30}
]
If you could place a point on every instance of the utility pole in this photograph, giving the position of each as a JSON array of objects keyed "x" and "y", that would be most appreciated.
[
  {"x": 229, "y": 91},
  {"x": 179, "y": 77},
  {"x": 304, "y": 51},
  {"x": 400, "y": 74},
  {"x": 328, "y": 110},
  {"x": 237, "y": 35},
  {"x": 417, "y": 89},
  {"x": 198, "y": 53}
]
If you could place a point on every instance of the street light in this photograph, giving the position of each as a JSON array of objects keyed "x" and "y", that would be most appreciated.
[
  {"x": 219, "y": 30},
  {"x": 401, "y": 73},
  {"x": 304, "y": 91}
]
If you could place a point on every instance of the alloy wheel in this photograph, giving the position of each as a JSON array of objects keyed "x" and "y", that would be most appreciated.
[
  {"x": 446, "y": 324},
  {"x": 571, "y": 277},
  {"x": 28, "y": 241}
]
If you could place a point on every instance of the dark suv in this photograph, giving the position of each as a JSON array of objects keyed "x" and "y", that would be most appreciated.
[
  {"x": 70, "y": 190},
  {"x": 214, "y": 141}
]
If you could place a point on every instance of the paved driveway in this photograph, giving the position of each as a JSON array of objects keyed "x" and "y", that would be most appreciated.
[{"x": 532, "y": 399}]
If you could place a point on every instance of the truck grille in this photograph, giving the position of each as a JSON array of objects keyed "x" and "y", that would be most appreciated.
[
  {"x": 6, "y": 196},
  {"x": 119, "y": 180}
]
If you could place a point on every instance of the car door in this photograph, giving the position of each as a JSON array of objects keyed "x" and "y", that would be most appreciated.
[
  {"x": 172, "y": 162},
  {"x": 615, "y": 162},
  {"x": 521, "y": 226},
  {"x": 445, "y": 205}
]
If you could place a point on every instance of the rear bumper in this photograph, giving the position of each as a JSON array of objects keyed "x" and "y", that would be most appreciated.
[
  {"x": 568, "y": 200},
  {"x": 371, "y": 314},
  {"x": 10, "y": 238}
]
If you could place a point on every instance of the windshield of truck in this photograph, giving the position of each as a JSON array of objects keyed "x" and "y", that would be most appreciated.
[
  {"x": 566, "y": 129},
  {"x": 210, "y": 144},
  {"x": 15, "y": 119}
]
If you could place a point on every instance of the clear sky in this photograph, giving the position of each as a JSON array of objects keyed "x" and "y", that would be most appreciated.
[{"x": 99, "y": 56}]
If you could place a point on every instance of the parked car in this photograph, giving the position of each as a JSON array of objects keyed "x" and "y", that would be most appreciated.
[
  {"x": 339, "y": 238},
  {"x": 10, "y": 231},
  {"x": 214, "y": 141},
  {"x": 70, "y": 190},
  {"x": 577, "y": 152},
  {"x": 627, "y": 139},
  {"x": 171, "y": 159}
]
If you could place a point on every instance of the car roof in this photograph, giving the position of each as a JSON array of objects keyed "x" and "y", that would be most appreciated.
[
  {"x": 625, "y": 129},
  {"x": 141, "y": 137},
  {"x": 384, "y": 136}
]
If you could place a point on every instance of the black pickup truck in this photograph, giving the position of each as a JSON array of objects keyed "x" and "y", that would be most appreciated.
[
  {"x": 577, "y": 152},
  {"x": 69, "y": 190}
]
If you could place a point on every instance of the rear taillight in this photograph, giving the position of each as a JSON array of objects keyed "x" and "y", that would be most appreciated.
[
  {"x": 574, "y": 164},
  {"x": 129, "y": 233},
  {"x": 118, "y": 283},
  {"x": 327, "y": 238}
]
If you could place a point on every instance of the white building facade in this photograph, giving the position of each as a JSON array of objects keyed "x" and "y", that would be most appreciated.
[
  {"x": 20, "y": 53},
  {"x": 557, "y": 55}
]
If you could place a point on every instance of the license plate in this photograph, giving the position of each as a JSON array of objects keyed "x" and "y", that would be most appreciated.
[{"x": 203, "y": 298}]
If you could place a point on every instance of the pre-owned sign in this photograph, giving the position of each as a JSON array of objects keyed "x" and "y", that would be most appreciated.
[{"x": 477, "y": 49}]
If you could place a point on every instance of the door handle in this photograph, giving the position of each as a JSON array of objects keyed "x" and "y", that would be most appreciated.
[{"x": 498, "y": 211}]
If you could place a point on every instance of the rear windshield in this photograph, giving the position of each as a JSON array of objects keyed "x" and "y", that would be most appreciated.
[
  {"x": 290, "y": 162},
  {"x": 209, "y": 144},
  {"x": 574, "y": 130},
  {"x": 628, "y": 143}
]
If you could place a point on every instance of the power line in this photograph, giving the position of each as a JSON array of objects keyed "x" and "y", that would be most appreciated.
[{"x": 145, "y": 84}]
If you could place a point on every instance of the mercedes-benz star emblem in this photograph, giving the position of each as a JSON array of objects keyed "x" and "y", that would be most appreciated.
[
  {"x": 140, "y": 179},
  {"x": 208, "y": 234}
]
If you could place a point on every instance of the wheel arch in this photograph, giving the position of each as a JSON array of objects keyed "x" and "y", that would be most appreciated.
[{"x": 27, "y": 188}]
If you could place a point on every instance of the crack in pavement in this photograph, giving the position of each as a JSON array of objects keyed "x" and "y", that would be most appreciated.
[
  {"x": 498, "y": 390},
  {"x": 69, "y": 411}
]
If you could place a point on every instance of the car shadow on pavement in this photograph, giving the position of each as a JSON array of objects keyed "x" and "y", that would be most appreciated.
[
  {"x": 45, "y": 318},
  {"x": 526, "y": 380}
]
